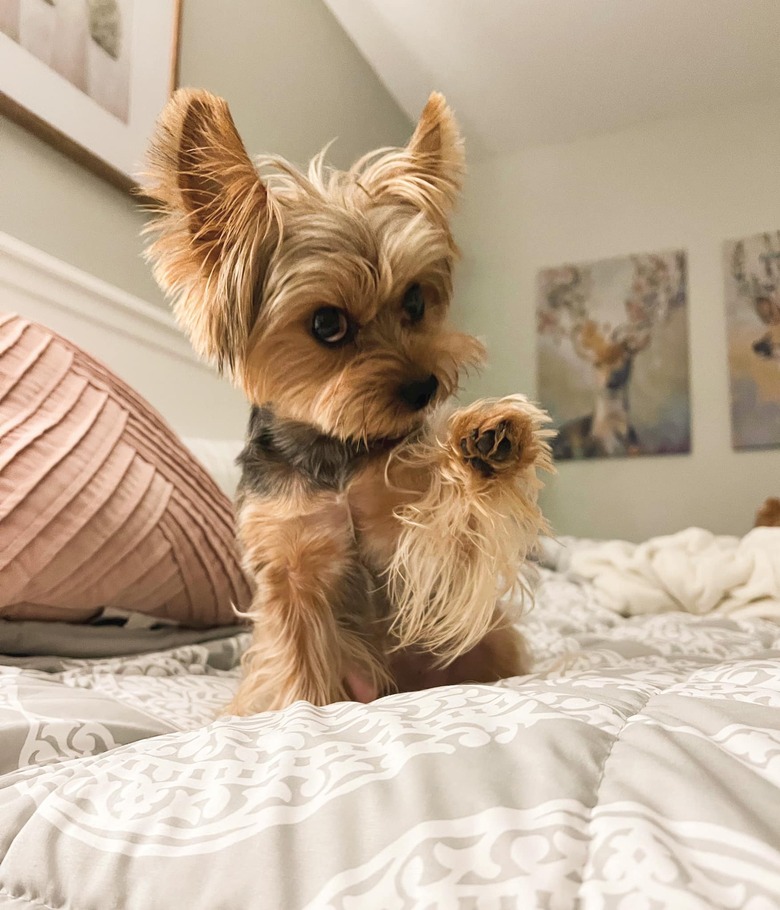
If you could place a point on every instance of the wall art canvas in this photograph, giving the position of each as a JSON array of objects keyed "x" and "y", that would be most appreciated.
[
  {"x": 90, "y": 76},
  {"x": 612, "y": 356},
  {"x": 752, "y": 274}
]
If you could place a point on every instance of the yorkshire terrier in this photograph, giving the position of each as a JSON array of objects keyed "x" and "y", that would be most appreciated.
[{"x": 382, "y": 529}]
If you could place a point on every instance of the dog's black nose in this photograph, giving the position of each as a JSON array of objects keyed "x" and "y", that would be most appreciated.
[
  {"x": 419, "y": 393},
  {"x": 763, "y": 347}
]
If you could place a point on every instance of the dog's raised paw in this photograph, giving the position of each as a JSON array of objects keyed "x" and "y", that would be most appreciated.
[{"x": 495, "y": 439}]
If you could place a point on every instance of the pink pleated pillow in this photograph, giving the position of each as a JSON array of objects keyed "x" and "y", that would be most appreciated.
[{"x": 101, "y": 505}]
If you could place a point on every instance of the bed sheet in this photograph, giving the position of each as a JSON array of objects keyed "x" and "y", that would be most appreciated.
[{"x": 639, "y": 766}]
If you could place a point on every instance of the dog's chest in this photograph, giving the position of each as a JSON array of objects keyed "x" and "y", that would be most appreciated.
[
  {"x": 372, "y": 506},
  {"x": 281, "y": 457}
]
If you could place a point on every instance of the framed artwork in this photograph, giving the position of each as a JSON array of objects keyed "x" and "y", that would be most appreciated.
[
  {"x": 752, "y": 275},
  {"x": 612, "y": 356},
  {"x": 89, "y": 76}
]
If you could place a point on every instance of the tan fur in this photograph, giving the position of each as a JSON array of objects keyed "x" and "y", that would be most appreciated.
[
  {"x": 462, "y": 540},
  {"x": 302, "y": 649},
  {"x": 500, "y": 654},
  {"x": 395, "y": 577},
  {"x": 216, "y": 224},
  {"x": 768, "y": 516}
]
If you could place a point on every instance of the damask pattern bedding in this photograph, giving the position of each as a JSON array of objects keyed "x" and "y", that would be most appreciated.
[{"x": 638, "y": 768}]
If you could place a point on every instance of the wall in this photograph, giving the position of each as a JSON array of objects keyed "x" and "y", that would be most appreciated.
[
  {"x": 293, "y": 78},
  {"x": 54, "y": 204},
  {"x": 685, "y": 182},
  {"x": 294, "y": 81}
]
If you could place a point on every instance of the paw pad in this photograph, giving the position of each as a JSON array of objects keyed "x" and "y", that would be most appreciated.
[{"x": 489, "y": 448}]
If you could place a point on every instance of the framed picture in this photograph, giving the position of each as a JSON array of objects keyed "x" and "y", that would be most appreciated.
[
  {"x": 89, "y": 76},
  {"x": 752, "y": 275},
  {"x": 612, "y": 356}
]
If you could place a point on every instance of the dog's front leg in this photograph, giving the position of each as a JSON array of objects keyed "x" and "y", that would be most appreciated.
[
  {"x": 466, "y": 518},
  {"x": 304, "y": 644}
]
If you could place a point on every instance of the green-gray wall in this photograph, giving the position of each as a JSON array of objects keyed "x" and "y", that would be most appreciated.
[
  {"x": 680, "y": 183},
  {"x": 294, "y": 81}
]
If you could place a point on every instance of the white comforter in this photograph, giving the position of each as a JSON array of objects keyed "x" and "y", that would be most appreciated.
[
  {"x": 643, "y": 773},
  {"x": 693, "y": 570}
]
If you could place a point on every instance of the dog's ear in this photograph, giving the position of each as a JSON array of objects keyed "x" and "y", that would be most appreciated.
[
  {"x": 429, "y": 171},
  {"x": 214, "y": 214},
  {"x": 436, "y": 154}
]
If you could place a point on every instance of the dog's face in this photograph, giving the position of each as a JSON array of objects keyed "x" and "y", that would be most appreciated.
[{"x": 324, "y": 295}]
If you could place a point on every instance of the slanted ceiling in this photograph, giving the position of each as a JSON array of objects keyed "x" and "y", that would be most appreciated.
[{"x": 524, "y": 73}]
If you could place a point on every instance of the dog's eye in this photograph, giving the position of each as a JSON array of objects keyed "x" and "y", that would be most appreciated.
[
  {"x": 330, "y": 325},
  {"x": 414, "y": 303}
]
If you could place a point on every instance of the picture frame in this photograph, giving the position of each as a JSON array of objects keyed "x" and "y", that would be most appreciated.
[
  {"x": 90, "y": 77},
  {"x": 751, "y": 270},
  {"x": 613, "y": 356}
]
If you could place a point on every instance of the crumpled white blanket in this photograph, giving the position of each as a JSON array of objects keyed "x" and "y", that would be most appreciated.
[{"x": 693, "y": 570}]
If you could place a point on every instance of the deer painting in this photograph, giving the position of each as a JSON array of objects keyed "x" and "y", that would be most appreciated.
[
  {"x": 753, "y": 311},
  {"x": 760, "y": 285},
  {"x": 608, "y": 347}
]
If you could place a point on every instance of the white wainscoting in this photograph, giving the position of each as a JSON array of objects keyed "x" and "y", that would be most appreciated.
[{"x": 137, "y": 340}]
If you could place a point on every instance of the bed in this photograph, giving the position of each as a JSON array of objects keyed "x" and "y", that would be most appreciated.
[{"x": 637, "y": 767}]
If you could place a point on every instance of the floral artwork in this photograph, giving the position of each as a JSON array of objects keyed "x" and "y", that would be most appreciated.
[
  {"x": 86, "y": 41},
  {"x": 613, "y": 356},
  {"x": 89, "y": 76},
  {"x": 752, "y": 273}
]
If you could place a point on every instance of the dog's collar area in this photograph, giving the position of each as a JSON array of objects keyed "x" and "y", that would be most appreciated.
[
  {"x": 279, "y": 449},
  {"x": 268, "y": 429}
]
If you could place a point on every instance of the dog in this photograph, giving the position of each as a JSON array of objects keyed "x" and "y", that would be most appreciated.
[
  {"x": 768, "y": 515},
  {"x": 382, "y": 527}
]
